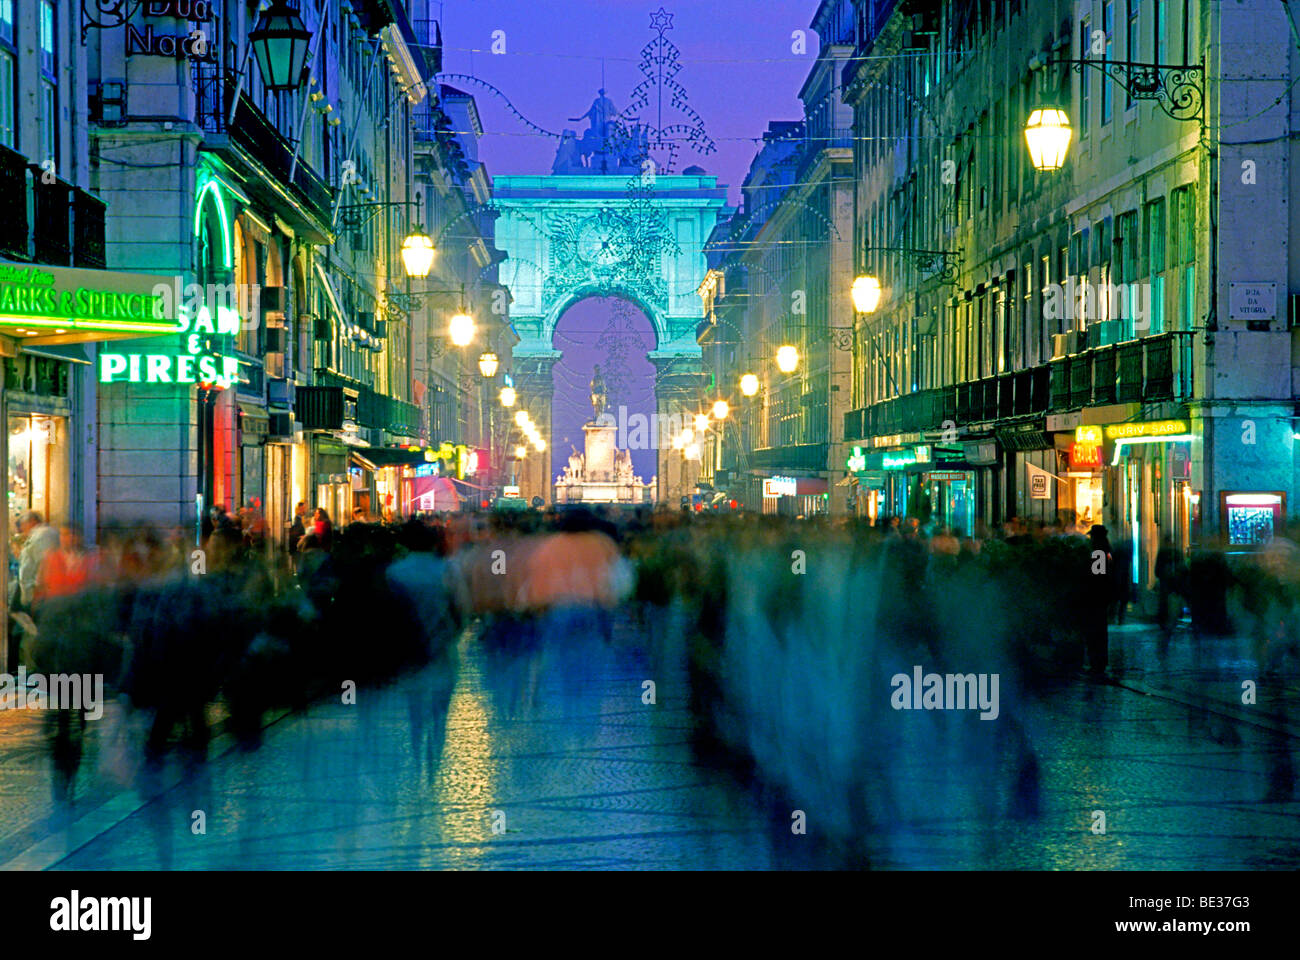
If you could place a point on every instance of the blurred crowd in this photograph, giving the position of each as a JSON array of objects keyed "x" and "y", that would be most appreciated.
[{"x": 783, "y": 624}]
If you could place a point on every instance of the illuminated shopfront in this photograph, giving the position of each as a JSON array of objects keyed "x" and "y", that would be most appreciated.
[{"x": 39, "y": 467}]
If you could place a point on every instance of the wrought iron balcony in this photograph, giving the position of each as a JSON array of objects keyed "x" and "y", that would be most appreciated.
[
  {"x": 13, "y": 205},
  {"x": 254, "y": 134},
  {"x": 1152, "y": 369}
]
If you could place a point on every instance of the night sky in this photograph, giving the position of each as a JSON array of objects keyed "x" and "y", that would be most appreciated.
[{"x": 738, "y": 71}]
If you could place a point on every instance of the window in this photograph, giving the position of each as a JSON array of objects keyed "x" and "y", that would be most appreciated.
[
  {"x": 1132, "y": 43},
  {"x": 1029, "y": 330},
  {"x": 1155, "y": 236},
  {"x": 8, "y": 66},
  {"x": 47, "y": 38},
  {"x": 1045, "y": 277},
  {"x": 1085, "y": 79},
  {"x": 49, "y": 100},
  {"x": 1108, "y": 27},
  {"x": 1160, "y": 31}
]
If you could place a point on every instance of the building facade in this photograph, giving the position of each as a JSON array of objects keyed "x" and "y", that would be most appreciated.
[
  {"x": 1104, "y": 343},
  {"x": 780, "y": 276},
  {"x": 278, "y": 218}
]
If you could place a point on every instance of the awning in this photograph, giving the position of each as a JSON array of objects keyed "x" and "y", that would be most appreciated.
[
  {"x": 71, "y": 352},
  {"x": 376, "y": 458},
  {"x": 329, "y": 292},
  {"x": 434, "y": 494}
]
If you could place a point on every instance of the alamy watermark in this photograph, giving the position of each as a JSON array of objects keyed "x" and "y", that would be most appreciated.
[
  {"x": 56, "y": 691},
  {"x": 1099, "y": 301},
  {"x": 641, "y": 431},
  {"x": 950, "y": 691}
]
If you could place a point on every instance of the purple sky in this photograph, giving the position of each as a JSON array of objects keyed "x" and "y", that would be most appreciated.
[
  {"x": 628, "y": 373},
  {"x": 738, "y": 71},
  {"x": 736, "y": 65}
]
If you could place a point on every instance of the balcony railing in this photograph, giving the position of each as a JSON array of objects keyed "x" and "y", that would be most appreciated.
[
  {"x": 13, "y": 204},
  {"x": 1153, "y": 369},
  {"x": 252, "y": 132},
  {"x": 66, "y": 227}
]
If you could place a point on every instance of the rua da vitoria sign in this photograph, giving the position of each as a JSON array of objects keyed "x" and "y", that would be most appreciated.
[{"x": 146, "y": 40}]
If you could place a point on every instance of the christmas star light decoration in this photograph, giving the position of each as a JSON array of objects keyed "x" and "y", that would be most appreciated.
[{"x": 661, "y": 20}]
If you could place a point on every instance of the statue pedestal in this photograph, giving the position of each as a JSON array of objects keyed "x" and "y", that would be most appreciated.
[
  {"x": 600, "y": 451},
  {"x": 600, "y": 481}
]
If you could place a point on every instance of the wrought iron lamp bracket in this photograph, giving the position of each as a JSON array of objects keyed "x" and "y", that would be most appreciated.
[
  {"x": 940, "y": 265},
  {"x": 1179, "y": 90}
]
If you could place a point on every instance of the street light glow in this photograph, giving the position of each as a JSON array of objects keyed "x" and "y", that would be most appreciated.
[
  {"x": 417, "y": 254},
  {"x": 1047, "y": 135},
  {"x": 720, "y": 410},
  {"x": 487, "y": 364},
  {"x": 701, "y": 422},
  {"x": 461, "y": 329},
  {"x": 522, "y": 418},
  {"x": 749, "y": 384},
  {"x": 866, "y": 294},
  {"x": 787, "y": 358},
  {"x": 508, "y": 396}
]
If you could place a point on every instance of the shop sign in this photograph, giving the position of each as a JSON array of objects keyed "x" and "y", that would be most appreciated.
[
  {"x": 1153, "y": 428},
  {"x": 857, "y": 462},
  {"x": 1252, "y": 301},
  {"x": 780, "y": 487},
  {"x": 194, "y": 46},
  {"x": 60, "y": 298},
  {"x": 945, "y": 476},
  {"x": 1085, "y": 456},
  {"x": 1181, "y": 460},
  {"x": 899, "y": 460},
  {"x": 1060, "y": 422},
  {"x": 1088, "y": 435}
]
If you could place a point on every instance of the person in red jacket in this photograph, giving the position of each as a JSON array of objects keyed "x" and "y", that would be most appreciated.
[{"x": 67, "y": 570}]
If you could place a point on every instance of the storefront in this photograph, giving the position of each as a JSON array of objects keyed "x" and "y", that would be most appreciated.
[
  {"x": 796, "y": 496},
  {"x": 50, "y": 318},
  {"x": 952, "y": 499},
  {"x": 388, "y": 476},
  {"x": 332, "y": 478}
]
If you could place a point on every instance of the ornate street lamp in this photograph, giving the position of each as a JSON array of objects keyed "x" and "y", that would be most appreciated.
[
  {"x": 279, "y": 42},
  {"x": 787, "y": 358},
  {"x": 461, "y": 329},
  {"x": 866, "y": 294},
  {"x": 749, "y": 384},
  {"x": 417, "y": 254},
  {"x": 487, "y": 365},
  {"x": 1047, "y": 135}
]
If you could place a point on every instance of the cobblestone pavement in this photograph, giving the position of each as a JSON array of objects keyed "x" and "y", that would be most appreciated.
[{"x": 549, "y": 758}]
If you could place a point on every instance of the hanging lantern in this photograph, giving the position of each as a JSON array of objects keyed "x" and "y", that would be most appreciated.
[
  {"x": 1048, "y": 135},
  {"x": 280, "y": 42},
  {"x": 866, "y": 294},
  {"x": 417, "y": 254},
  {"x": 487, "y": 364},
  {"x": 461, "y": 329}
]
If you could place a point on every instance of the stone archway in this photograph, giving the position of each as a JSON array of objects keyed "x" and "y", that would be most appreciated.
[
  {"x": 568, "y": 238},
  {"x": 615, "y": 334}
]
